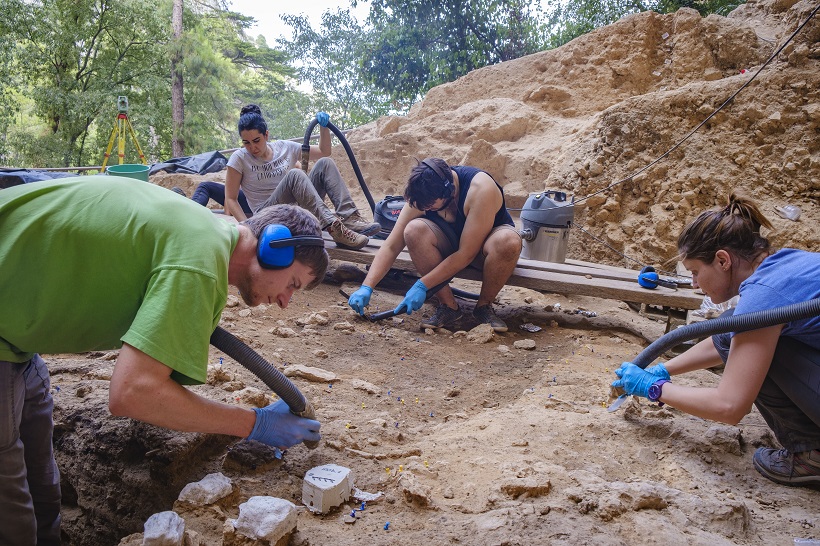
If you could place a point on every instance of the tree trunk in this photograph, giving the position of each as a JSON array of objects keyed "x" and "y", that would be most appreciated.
[{"x": 177, "y": 99}]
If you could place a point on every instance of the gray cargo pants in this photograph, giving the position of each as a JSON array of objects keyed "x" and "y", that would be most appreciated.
[
  {"x": 309, "y": 191},
  {"x": 788, "y": 399},
  {"x": 29, "y": 479}
]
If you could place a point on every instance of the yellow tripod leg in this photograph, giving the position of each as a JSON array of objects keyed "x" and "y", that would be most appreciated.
[
  {"x": 109, "y": 147},
  {"x": 121, "y": 138},
  {"x": 134, "y": 138}
]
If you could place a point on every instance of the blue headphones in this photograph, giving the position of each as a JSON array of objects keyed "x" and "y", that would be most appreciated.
[
  {"x": 447, "y": 190},
  {"x": 277, "y": 247},
  {"x": 648, "y": 278}
]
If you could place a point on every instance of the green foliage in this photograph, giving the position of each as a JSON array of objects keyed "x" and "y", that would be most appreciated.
[
  {"x": 328, "y": 61},
  {"x": 72, "y": 59},
  {"x": 414, "y": 46}
]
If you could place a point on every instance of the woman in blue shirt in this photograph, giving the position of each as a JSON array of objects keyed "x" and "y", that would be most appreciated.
[{"x": 776, "y": 368}]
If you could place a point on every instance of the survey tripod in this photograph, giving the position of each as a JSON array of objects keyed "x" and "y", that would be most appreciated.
[{"x": 121, "y": 125}]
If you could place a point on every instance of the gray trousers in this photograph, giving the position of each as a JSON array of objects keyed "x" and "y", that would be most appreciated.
[
  {"x": 789, "y": 399},
  {"x": 29, "y": 479},
  {"x": 309, "y": 191}
]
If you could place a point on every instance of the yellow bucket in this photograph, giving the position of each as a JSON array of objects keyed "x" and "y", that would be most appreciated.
[{"x": 130, "y": 170}]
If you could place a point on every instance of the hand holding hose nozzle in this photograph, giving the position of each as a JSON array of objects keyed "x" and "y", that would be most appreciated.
[
  {"x": 736, "y": 323},
  {"x": 277, "y": 426},
  {"x": 271, "y": 425},
  {"x": 361, "y": 298}
]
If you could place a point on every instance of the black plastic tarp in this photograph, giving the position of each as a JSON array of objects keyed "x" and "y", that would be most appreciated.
[
  {"x": 15, "y": 177},
  {"x": 204, "y": 163}
]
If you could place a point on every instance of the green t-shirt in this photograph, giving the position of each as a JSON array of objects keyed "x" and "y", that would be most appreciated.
[{"x": 91, "y": 262}]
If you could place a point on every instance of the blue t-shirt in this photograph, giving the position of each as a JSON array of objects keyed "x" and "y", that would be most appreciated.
[{"x": 786, "y": 277}]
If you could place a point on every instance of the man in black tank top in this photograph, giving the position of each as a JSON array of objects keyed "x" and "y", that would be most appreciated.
[{"x": 454, "y": 217}]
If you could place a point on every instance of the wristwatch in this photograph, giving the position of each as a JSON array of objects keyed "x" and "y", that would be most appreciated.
[{"x": 655, "y": 391}]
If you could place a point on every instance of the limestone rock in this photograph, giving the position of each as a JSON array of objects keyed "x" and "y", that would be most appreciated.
[
  {"x": 263, "y": 518},
  {"x": 208, "y": 490},
  {"x": 310, "y": 373},
  {"x": 525, "y": 344},
  {"x": 164, "y": 529},
  {"x": 483, "y": 333}
]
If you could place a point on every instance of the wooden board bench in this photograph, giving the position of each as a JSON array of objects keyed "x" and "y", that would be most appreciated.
[{"x": 572, "y": 277}]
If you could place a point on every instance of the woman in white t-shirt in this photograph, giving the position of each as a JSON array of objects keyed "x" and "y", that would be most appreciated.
[{"x": 264, "y": 173}]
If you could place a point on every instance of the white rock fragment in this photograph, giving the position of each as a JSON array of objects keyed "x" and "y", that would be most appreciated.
[
  {"x": 164, "y": 529},
  {"x": 311, "y": 374},
  {"x": 525, "y": 344},
  {"x": 320, "y": 318},
  {"x": 282, "y": 331},
  {"x": 361, "y": 385},
  {"x": 326, "y": 487},
  {"x": 344, "y": 327},
  {"x": 206, "y": 491},
  {"x": 483, "y": 333},
  {"x": 265, "y": 518}
]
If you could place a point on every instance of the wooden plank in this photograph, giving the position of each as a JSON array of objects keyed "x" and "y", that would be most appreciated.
[{"x": 555, "y": 278}]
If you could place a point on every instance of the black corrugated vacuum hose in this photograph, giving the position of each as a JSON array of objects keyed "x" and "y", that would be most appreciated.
[
  {"x": 261, "y": 368},
  {"x": 733, "y": 323},
  {"x": 353, "y": 162}
]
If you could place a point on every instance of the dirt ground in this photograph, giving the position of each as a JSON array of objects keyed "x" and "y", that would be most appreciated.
[{"x": 470, "y": 443}]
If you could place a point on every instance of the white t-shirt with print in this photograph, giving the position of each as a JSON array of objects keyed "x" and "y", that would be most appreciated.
[{"x": 260, "y": 178}]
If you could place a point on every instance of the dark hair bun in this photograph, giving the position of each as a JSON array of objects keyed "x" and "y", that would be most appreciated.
[{"x": 250, "y": 109}]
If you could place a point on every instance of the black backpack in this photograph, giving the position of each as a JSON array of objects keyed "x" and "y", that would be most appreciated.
[{"x": 387, "y": 212}]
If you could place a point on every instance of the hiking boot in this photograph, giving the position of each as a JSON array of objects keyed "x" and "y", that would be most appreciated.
[
  {"x": 360, "y": 225},
  {"x": 486, "y": 315},
  {"x": 345, "y": 237},
  {"x": 786, "y": 468},
  {"x": 444, "y": 316},
  {"x": 177, "y": 189}
]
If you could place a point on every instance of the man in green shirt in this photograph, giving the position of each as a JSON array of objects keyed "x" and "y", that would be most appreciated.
[{"x": 102, "y": 263}]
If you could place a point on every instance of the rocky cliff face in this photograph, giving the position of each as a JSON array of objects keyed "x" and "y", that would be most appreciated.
[{"x": 604, "y": 107}]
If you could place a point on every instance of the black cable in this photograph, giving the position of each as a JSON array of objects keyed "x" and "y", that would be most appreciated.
[
  {"x": 684, "y": 139},
  {"x": 624, "y": 256}
]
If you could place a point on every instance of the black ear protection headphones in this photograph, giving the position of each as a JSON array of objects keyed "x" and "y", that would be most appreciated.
[
  {"x": 447, "y": 191},
  {"x": 648, "y": 278},
  {"x": 277, "y": 247}
]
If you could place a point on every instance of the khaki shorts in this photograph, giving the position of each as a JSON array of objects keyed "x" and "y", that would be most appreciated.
[{"x": 447, "y": 242}]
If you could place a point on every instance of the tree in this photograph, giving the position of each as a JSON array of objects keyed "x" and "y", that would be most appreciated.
[
  {"x": 177, "y": 84},
  {"x": 70, "y": 56},
  {"x": 417, "y": 45},
  {"x": 328, "y": 61}
]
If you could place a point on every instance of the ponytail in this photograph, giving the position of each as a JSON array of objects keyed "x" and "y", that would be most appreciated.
[{"x": 734, "y": 228}]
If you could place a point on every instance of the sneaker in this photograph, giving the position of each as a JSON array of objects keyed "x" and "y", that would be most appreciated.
[
  {"x": 177, "y": 189},
  {"x": 486, "y": 315},
  {"x": 786, "y": 468},
  {"x": 345, "y": 237},
  {"x": 444, "y": 316},
  {"x": 360, "y": 225}
]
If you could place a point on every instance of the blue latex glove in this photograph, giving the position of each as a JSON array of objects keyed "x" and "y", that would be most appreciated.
[
  {"x": 413, "y": 300},
  {"x": 278, "y": 427},
  {"x": 634, "y": 380},
  {"x": 360, "y": 299},
  {"x": 659, "y": 371},
  {"x": 323, "y": 118}
]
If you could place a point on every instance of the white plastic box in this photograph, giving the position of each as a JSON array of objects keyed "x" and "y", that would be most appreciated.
[{"x": 326, "y": 487}]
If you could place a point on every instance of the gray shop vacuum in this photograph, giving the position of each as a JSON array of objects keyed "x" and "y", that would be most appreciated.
[{"x": 545, "y": 222}]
